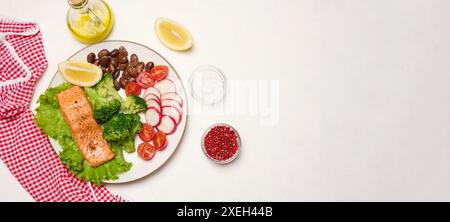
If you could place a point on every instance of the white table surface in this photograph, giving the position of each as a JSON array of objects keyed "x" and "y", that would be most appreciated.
[{"x": 363, "y": 105}]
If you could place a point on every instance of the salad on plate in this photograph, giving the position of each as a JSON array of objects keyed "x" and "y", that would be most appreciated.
[{"x": 95, "y": 125}]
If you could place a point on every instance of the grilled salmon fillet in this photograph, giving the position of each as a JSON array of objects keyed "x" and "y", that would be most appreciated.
[{"x": 88, "y": 135}]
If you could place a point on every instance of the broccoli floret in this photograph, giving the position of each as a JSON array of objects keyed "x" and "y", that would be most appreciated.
[
  {"x": 103, "y": 108},
  {"x": 136, "y": 127},
  {"x": 122, "y": 129},
  {"x": 105, "y": 100},
  {"x": 106, "y": 88},
  {"x": 117, "y": 128},
  {"x": 135, "y": 121},
  {"x": 133, "y": 104}
]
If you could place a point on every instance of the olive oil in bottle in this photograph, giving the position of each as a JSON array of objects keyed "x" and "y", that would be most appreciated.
[{"x": 89, "y": 21}]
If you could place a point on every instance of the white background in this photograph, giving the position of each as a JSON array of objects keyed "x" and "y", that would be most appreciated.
[{"x": 364, "y": 96}]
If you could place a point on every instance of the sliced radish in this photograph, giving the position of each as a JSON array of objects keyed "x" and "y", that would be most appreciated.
[
  {"x": 172, "y": 95},
  {"x": 171, "y": 102},
  {"x": 153, "y": 116},
  {"x": 173, "y": 112},
  {"x": 152, "y": 96},
  {"x": 165, "y": 86},
  {"x": 153, "y": 103},
  {"x": 152, "y": 90},
  {"x": 167, "y": 125}
]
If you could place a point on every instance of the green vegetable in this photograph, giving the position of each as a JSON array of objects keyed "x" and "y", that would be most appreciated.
[
  {"x": 117, "y": 128},
  {"x": 121, "y": 129},
  {"x": 107, "y": 171},
  {"x": 71, "y": 155},
  {"x": 133, "y": 104},
  {"x": 50, "y": 120},
  {"x": 48, "y": 115},
  {"x": 105, "y": 100},
  {"x": 128, "y": 143}
]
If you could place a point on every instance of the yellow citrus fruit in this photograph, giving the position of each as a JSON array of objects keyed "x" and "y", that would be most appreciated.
[
  {"x": 173, "y": 35},
  {"x": 80, "y": 73}
]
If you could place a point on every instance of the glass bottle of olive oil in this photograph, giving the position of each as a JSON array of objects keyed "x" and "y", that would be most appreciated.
[{"x": 89, "y": 21}]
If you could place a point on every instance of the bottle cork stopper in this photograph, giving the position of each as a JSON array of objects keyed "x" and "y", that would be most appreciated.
[{"x": 76, "y": 2}]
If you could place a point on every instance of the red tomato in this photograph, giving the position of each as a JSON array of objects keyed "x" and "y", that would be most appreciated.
[
  {"x": 147, "y": 133},
  {"x": 145, "y": 80},
  {"x": 159, "y": 140},
  {"x": 132, "y": 88},
  {"x": 146, "y": 151},
  {"x": 159, "y": 73}
]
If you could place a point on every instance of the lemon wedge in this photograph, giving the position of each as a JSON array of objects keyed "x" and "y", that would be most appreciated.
[
  {"x": 80, "y": 73},
  {"x": 173, "y": 35}
]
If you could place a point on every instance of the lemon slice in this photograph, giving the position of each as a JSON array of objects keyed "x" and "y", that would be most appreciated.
[
  {"x": 80, "y": 73},
  {"x": 173, "y": 35}
]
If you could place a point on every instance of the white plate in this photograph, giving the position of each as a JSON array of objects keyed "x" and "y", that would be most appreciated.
[{"x": 140, "y": 167}]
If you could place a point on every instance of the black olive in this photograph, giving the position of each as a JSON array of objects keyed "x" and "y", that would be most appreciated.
[
  {"x": 123, "y": 66},
  {"x": 116, "y": 74},
  {"x": 116, "y": 84},
  {"x": 123, "y": 51},
  {"x": 134, "y": 60},
  {"x": 111, "y": 69},
  {"x": 123, "y": 60},
  {"x": 140, "y": 67},
  {"x": 123, "y": 82},
  {"x": 125, "y": 74},
  {"x": 91, "y": 58},
  {"x": 103, "y": 52},
  {"x": 132, "y": 71},
  {"x": 114, "y": 62},
  {"x": 114, "y": 53},
  {"x": 105, "y": 61},
  {"x": 149, "y": 66}
]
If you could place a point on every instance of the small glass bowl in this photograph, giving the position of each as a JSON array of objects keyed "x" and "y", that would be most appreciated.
[
  {"x": 238, "y": 144},
  {"x": 207, "y": 85}
]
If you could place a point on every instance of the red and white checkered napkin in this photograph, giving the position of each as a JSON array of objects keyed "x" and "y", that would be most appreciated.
[{"x": 24, "y": 149}]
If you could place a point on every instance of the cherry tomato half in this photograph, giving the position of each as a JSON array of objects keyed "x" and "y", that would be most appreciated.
[
  {"x": 159, "y": 73},
  {"x": 146, "y": 151},
  {"x": 133, "y": 88},
  {"x": 147, "y": 133},
  {"x": 145, "y": 80},
  {"x": 160, "y": 140}
]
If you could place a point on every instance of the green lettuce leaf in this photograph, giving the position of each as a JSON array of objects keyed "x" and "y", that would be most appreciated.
[
  {"x": 72, "y": 158},
  {"x": 107, "y": 171},
  {"x": 50, "y": 120},
  {"x": 49, "y": 117},
  {"x": 71, "y": 155}
]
